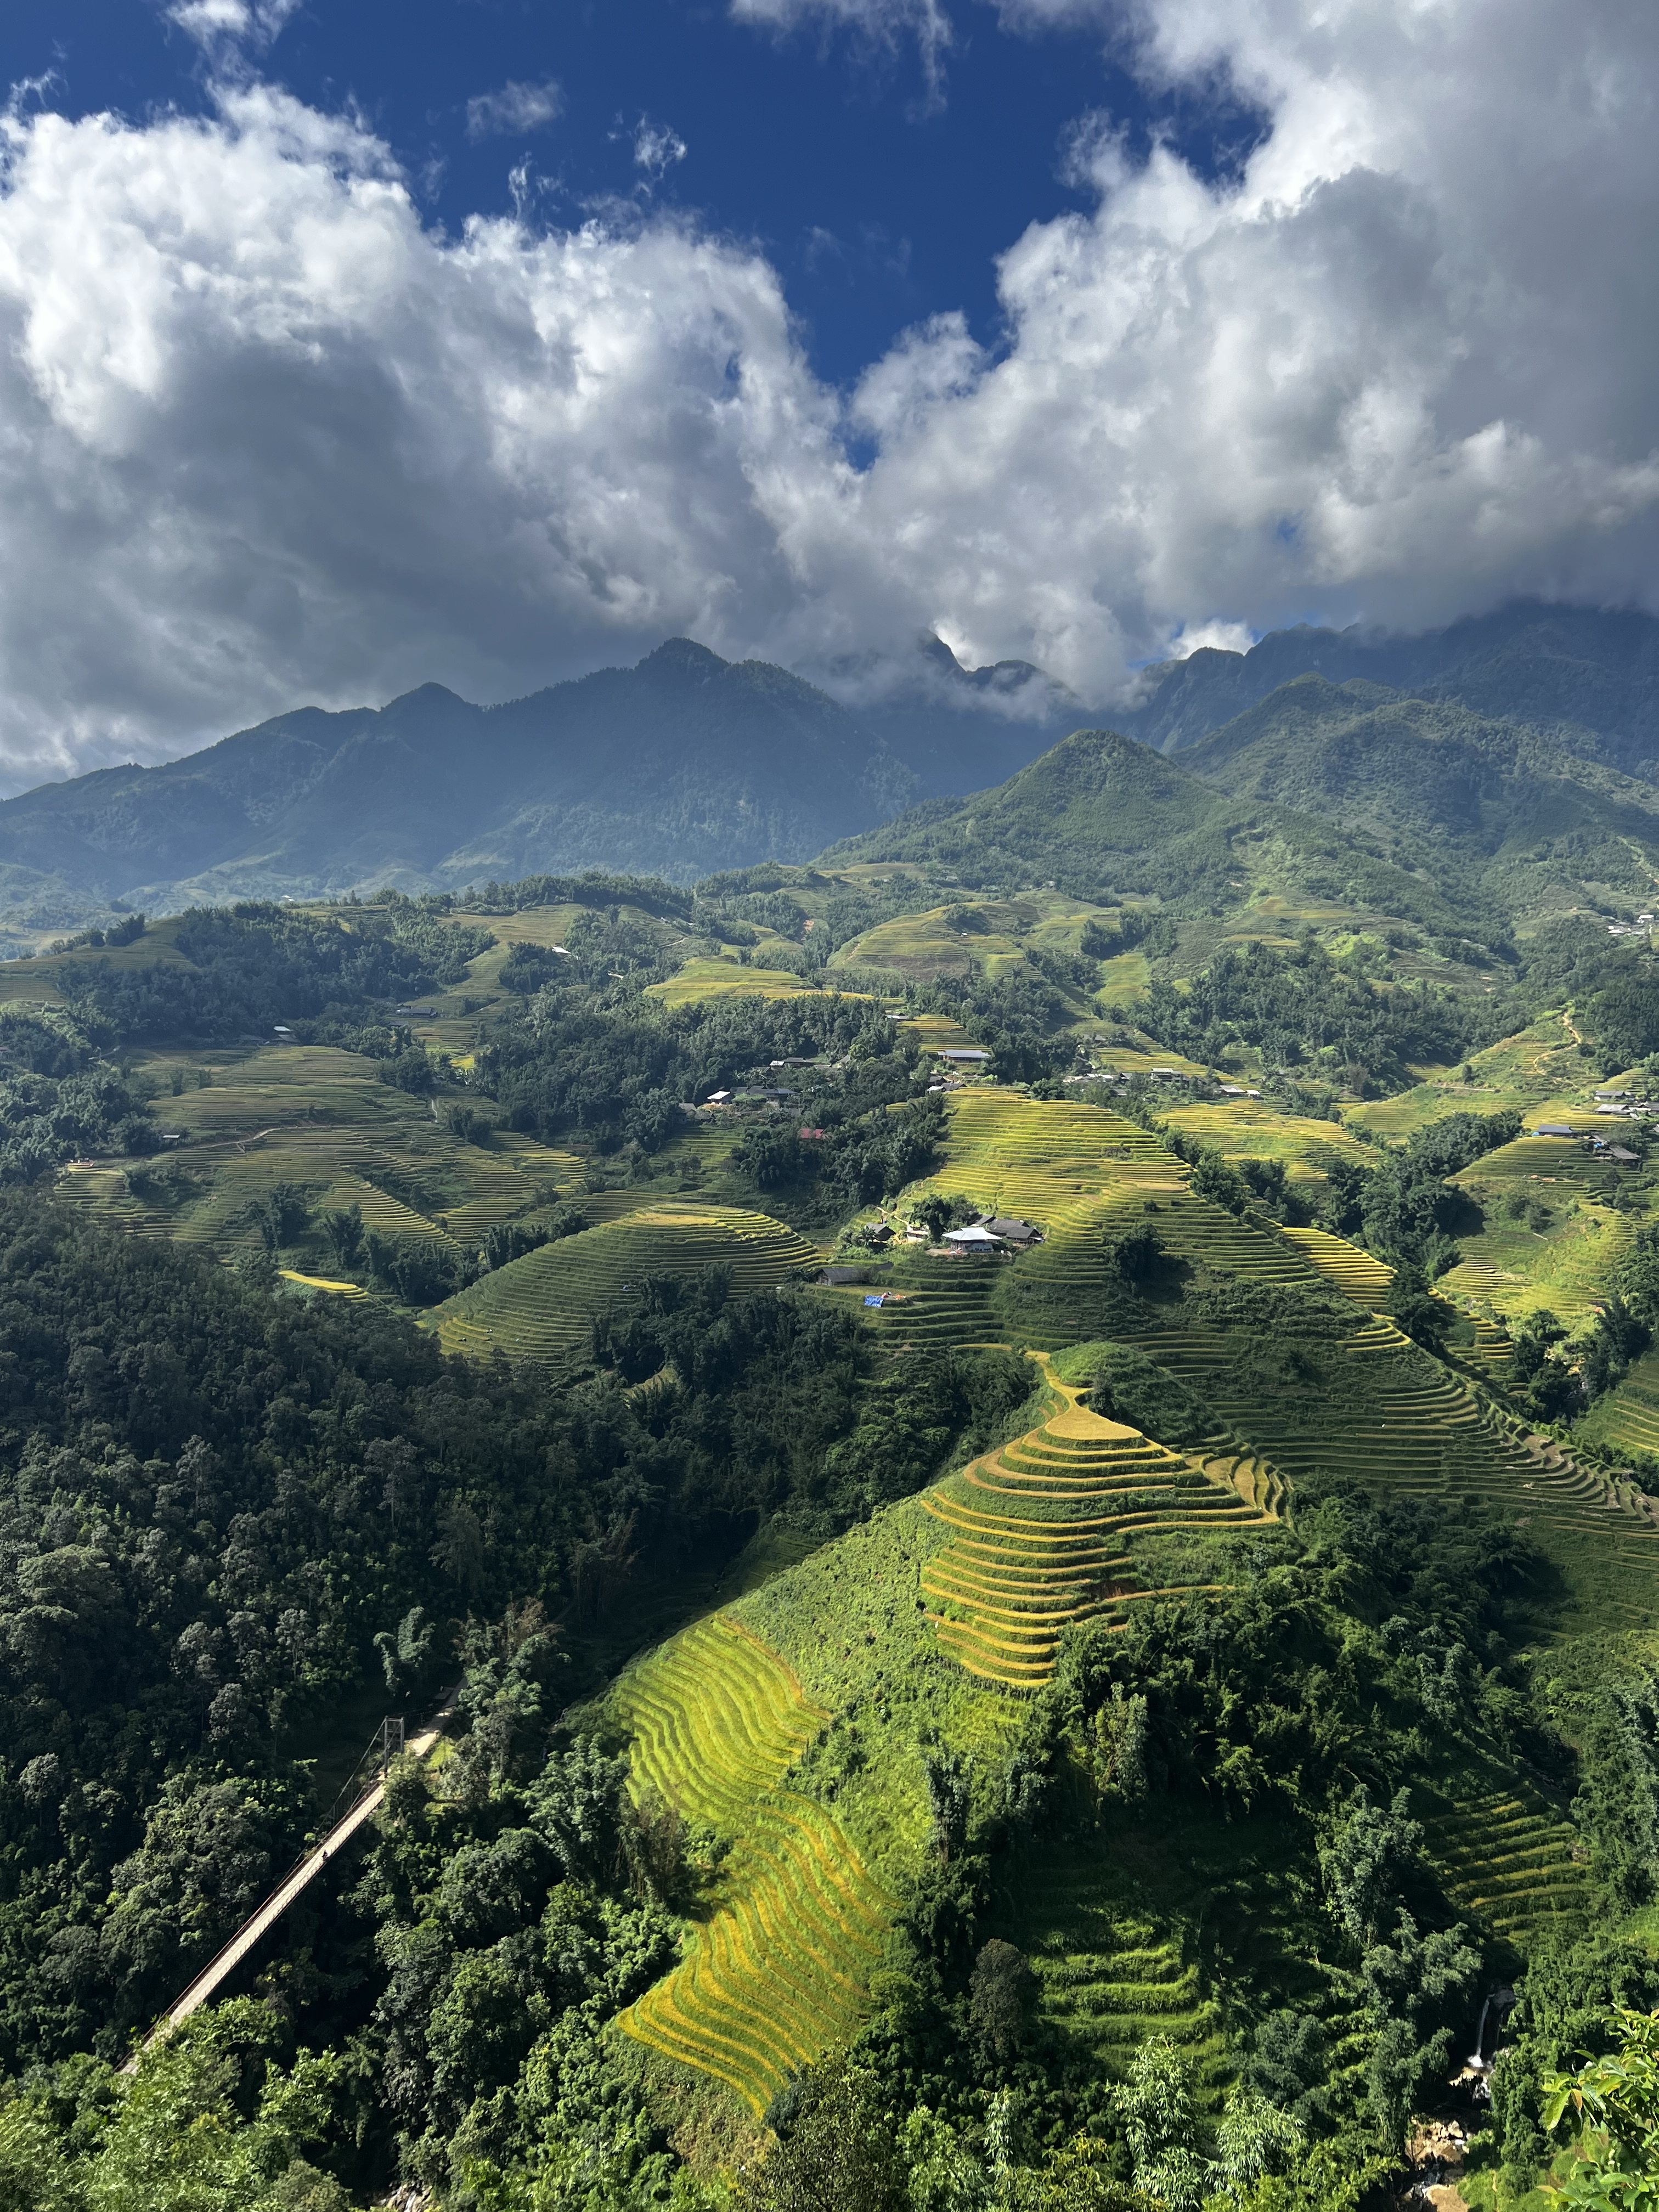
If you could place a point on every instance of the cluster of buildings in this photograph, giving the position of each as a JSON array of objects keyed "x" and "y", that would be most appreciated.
[
  {"x": 1625, "y": 1102},
  {"x": 1117, "y": 1077},
  {"x": 1601, "y": 1147},
  {"x": 1640, "y": 927},
  {"x": 989, "y": 1236}
]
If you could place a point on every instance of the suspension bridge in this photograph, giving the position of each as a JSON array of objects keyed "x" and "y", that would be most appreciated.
[{"x": 364, "y": 1797}]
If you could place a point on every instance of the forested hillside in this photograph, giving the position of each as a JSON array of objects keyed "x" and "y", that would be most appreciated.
[{"x": 682, "y": 764}]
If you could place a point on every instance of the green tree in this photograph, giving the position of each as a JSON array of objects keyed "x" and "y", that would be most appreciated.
[
  {"x": 342, "y": 1227},
  {"x": 998, "y": 1998},
  {"x": 839, "y": 2151},
  {"x": 280, "y": 1216},
  {"x": 1614, "y": 2100},
  {"x": 1154, "y": 2107},
  {"x": 1364, "y": 1861}
]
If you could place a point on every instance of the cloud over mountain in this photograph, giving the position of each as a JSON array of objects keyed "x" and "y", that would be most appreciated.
[{"x": 264, "y": 437}]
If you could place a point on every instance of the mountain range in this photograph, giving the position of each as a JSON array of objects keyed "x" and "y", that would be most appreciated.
[{"x": 1530, "y": 734}]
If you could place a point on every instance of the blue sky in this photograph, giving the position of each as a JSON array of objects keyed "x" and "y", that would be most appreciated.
[
  {"x": 347, "y": 347},
  {"x": 881, "y": 189}
]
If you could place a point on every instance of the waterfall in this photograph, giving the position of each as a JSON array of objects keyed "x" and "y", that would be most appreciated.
[{"x": 1500, "y": 2002}]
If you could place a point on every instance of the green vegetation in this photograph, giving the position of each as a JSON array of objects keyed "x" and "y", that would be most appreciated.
[
  {"x": 1090, "y": 1720},
  {"x": 547, "y": 1302},
  {"x": 778, "y": 1972},
  {"x": 1043, "y": 1537}
]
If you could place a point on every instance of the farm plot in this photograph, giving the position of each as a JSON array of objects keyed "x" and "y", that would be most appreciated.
[
  {"x": 545, "y": 1303},
  {"x": 102, "y": 1191},
  {"x": 1039, "y": 1536},
  {"x": 1113, "y": 1975},
  {"x": 1365, "y": 1403},
  {"x": 701, "y": 981},
  {"x": 1005, "y": 1129},
  {"x": 777, "y": 1972},
  {"x": 936, "y": 1303},
  {"x": 1067, "y": 1289},
  {"x": 1358, "y": 1276},
  {"x": 1627, "y": 1418},
  {"x": 1507, "y": 1855},
  {"x": 1567, "y": 1261},
  {"x": 1560, "y": 1165},
  {"x": 1205, "y": 1235},
  {"x": 1248, "y": 1129}
]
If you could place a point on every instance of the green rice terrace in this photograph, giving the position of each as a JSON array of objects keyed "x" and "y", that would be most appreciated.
[
  {"x": 779, "y": 1969},
  {"x": 1219, "y": 1369},
  {"x": 1082, "y": 1519},
  {"x": 1039, "y": 1530},
  {"x": 545, "y": 1303}
]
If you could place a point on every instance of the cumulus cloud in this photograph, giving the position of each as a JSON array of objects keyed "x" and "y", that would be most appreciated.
[
  {"x": 265, "y": 438},
  {"x": 516, "y": 108},
  {"x": 1212, "y": 636}
]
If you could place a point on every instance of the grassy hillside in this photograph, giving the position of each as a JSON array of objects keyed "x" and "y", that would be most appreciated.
[{"x": 546, "y": 1303}]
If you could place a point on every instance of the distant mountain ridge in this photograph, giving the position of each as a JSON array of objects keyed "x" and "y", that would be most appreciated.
[
  {"x": 1508, "y": 736},
  {"x": 1588, "y": 676},
  {"x": 1371, "y": 799},
  {"x": 678, "y": 767}
]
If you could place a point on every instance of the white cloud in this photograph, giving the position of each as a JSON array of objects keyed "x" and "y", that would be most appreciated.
[
  {"x": 657, "y": 146},
  {"x": 263, "y": 438},
  {"x": 220, "y": 24},
  {"x": 1211, "y": 636},
  {"x": 874, "y": 23},
  {"x": 515, "y": 109}
]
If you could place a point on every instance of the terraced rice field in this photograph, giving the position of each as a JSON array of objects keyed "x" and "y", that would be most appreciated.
[
  {"x": 334, "y": 1169},
  {"x": 1568, "y": 1267},
  {"x": 1627, "y": 1417},
  {"x": 1252, "y": 1129},
  {"x": 1112, "y": 1978},
  {"x": 1377, "y": 1410},
  {"x": 1205, "y": 1235},
  {"x": 545, "y": 1303},
  {"x": 1510, "y": 1858},
  {"x": 103, "y": 1192},
  {"x": 777, "y": 1973},
  {"x": 1560, "y": 1165},
  {"x": 1086, "y": 1175},
  {"x": 322, "y": 1282},
  {"x": 937, "y": 1303},
  {"x": 699, "y": 980},
  {"x": 1354, "y": 1273},
  {"x": 1039, "y": 1535},
  {"x": 933, "y": 1032},
  {"x": 1528, "y": 1071},
  {"x": 1003, "y": 1129},
  {"x": 1067, "y": 1290},
  {"x": 1490, "y": 1353}
]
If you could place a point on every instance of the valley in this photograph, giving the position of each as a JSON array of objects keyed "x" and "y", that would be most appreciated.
[{"x": 1034, "y": 1444}]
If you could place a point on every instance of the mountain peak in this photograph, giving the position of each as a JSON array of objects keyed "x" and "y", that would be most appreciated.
[{"x": 683, "y": 656}]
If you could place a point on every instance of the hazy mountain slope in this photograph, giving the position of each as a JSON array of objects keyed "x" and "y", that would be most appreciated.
[
  {"x": 1444, "y": 786},
  {"x": 1102, "y": 813},
  {"x": 1590, "y": 678},
  {"x": 681, "y": 765}
]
